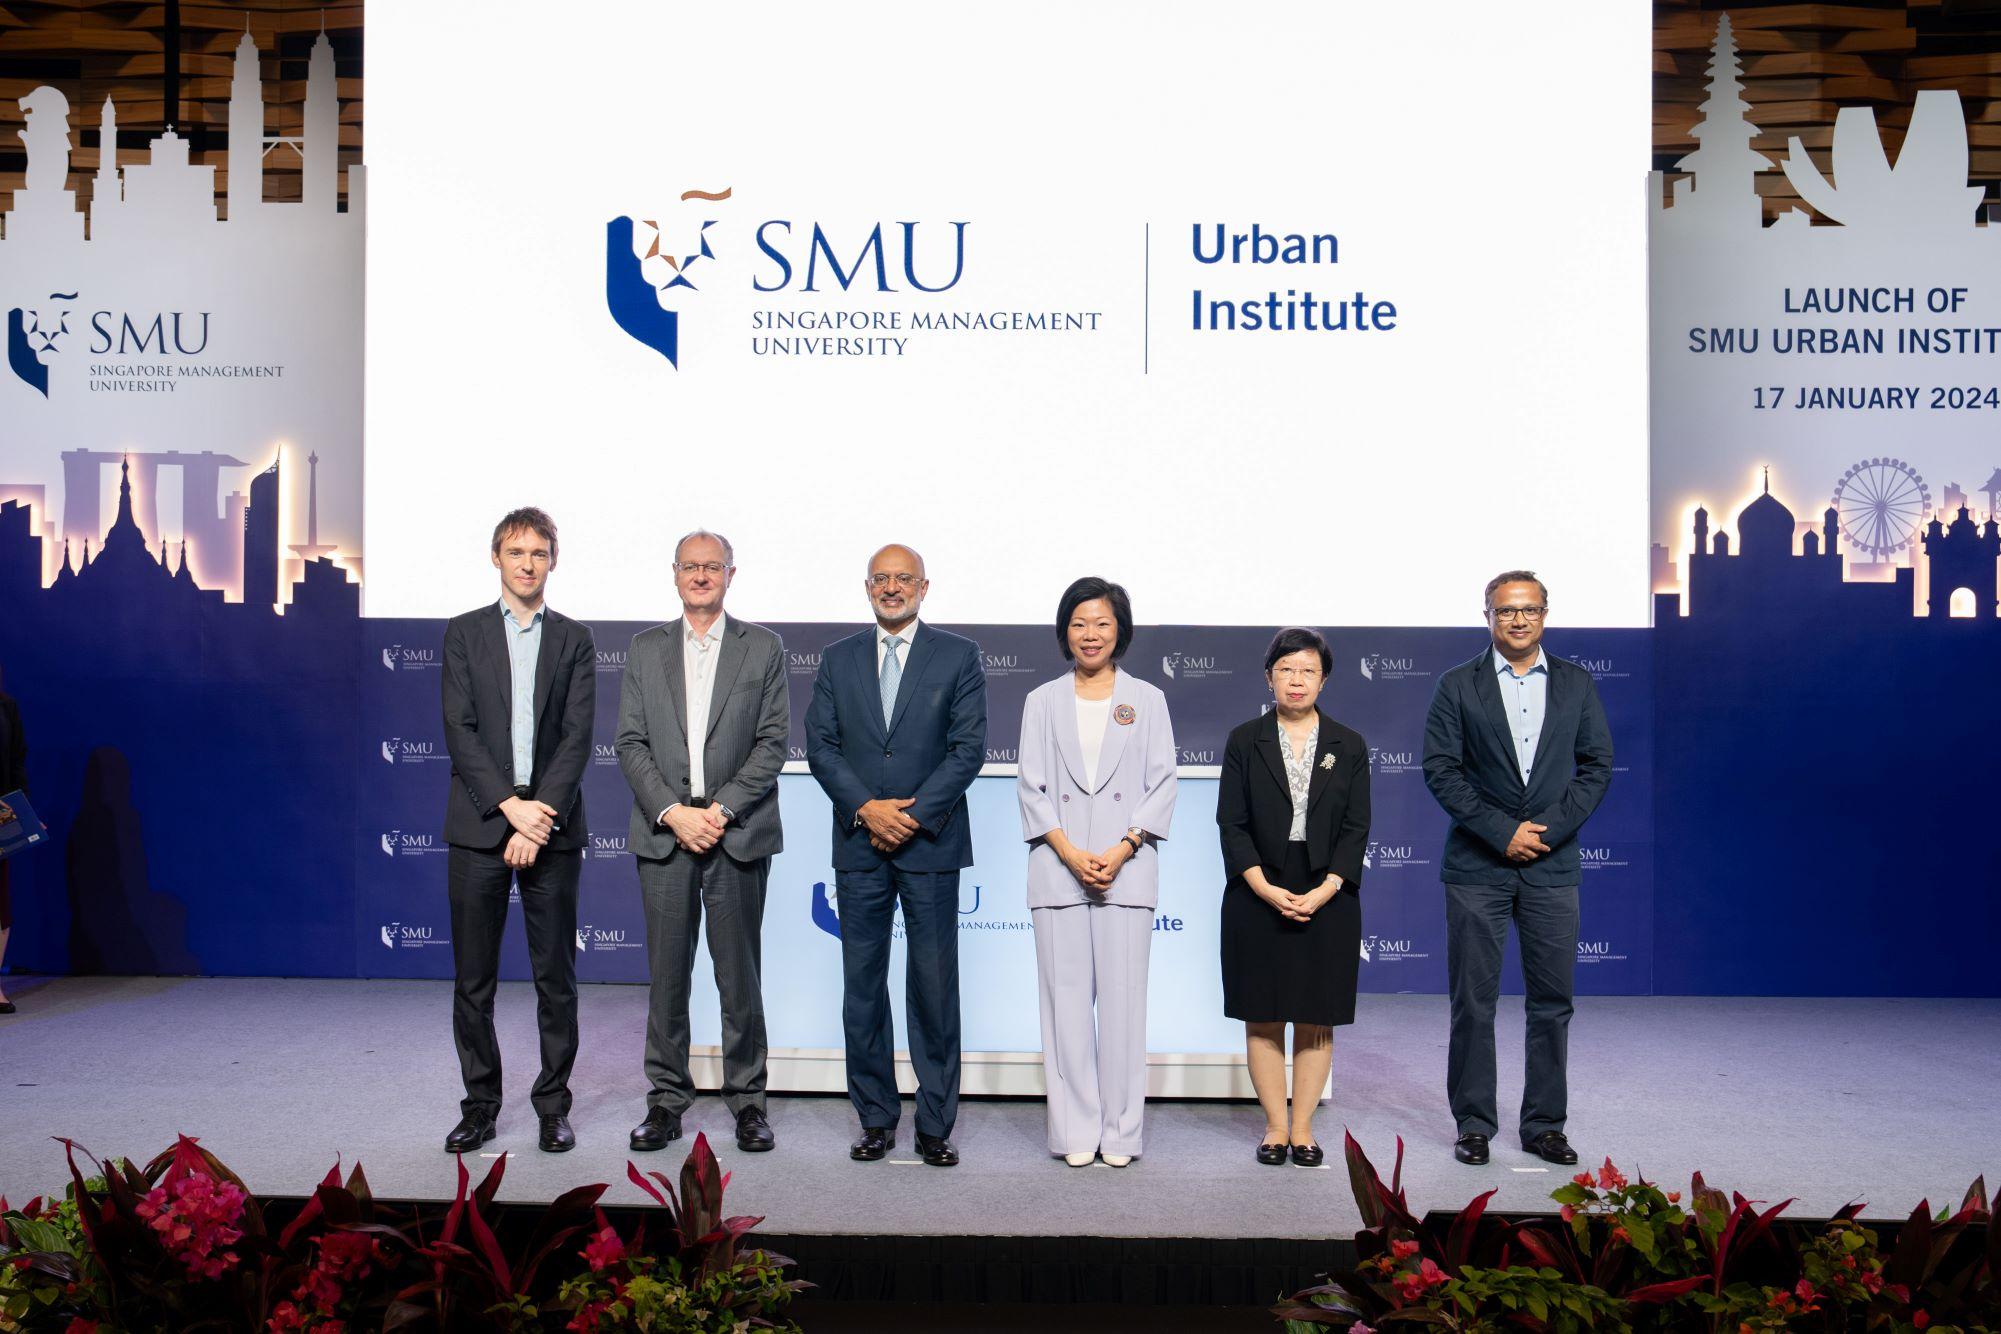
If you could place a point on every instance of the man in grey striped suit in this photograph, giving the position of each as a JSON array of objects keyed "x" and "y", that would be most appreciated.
[{"x": 702, "y": 726}]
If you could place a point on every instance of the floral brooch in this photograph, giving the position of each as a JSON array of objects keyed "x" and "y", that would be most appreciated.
[{"x": 1327, "y": 760}]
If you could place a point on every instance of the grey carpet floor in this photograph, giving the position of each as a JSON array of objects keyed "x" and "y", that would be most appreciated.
[{"x": 1825, "y": 1100}]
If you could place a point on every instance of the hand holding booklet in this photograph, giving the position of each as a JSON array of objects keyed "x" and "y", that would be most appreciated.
[{"x": 20, "y": 827}]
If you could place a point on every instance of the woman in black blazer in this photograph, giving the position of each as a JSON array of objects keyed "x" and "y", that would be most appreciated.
[{"x": 1293, "y": 807}]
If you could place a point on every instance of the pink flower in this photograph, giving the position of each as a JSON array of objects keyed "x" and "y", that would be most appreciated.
[
  {"x": 285, "y": 1316},
  {"x": 1403, "y": 1250},
  {"x": 1872, "y": 1281},
  {"x": 1920, "y": 1320},
  {"x": 1609, "y": 1178},
  {"x": 195, "y": 1216},
  {"x": 1566, "y": 1213},
  {"x": 604, "y": 1248},
  {"x": 1585, "y": 1180},
  {"x": 586, "y": 1319},
  {"x": 1620, "y": 1234},
  {"x": 78, "y": 1325},
  {"x": 1674, "y": 1197},
  {"x": 1359, "y": 1328}
]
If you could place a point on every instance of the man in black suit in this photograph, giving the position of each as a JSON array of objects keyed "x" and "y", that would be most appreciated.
[
  {"x": 1517, "y": 752},
  {"x": 896, "y": 733},
  {"x": 520, "y": 687}
]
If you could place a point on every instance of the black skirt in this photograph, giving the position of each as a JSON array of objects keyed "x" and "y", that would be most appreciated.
[{"x": 1280, "y": 971}]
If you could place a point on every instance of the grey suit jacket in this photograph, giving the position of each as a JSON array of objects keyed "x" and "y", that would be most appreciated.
[{"x": 744, "y": 750}]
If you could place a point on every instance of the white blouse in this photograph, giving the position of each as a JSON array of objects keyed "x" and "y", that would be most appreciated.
[
  {"x": 1299, "y": 776},
  {"x": 1092, "y": 717}
]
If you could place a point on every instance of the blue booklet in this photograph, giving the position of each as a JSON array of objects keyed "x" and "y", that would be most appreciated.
[{"x": 20, "y": 827}]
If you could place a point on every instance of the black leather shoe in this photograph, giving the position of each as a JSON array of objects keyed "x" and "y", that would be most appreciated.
[
  {"x": 1308, "y": 1155},
  {"x": 473, "y": 1130},
  {"x": 1272, "y": 1155},
  {"x": 1551, "y": 1147},
  {"x": 871, "y": 1144},
  {"x": 556, "y": 1137},
  {"x": 937, "y": 1151},
  {"x": 7, "y": 1007},
  {"x": 1471, "y": 1149},
  {"x": 660, "y": 1128},
  {"x": 753, "y": 1132}
]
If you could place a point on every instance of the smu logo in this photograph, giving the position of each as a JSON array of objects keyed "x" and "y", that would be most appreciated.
[
  {"x": 1389, "y": 949},
  {"x": 396, "y": 936},
  {"x": 396, "y": 843},
  {"x": 30, "y": 333},
  {"x": 601, "y": 938},
  {"x": 398, "y": 751},
  {"x": 604, "y": 753},
  {"x": 1598, "y": 951},
  {"x": 1197, "y": 757},
  {"x": 1392, "y": 761},
  {"x": 606, "y": 847},
  {"x": 1188, "y": 667},
  {"x": 1383, "y": 667},
  {"x": 1390, "y": 856},
  {"x": 611, "y": 660},
  {"x": 826, "y": 909},
  {"x": 632, "y": 296},
  {"x": 398, "y": 658}
]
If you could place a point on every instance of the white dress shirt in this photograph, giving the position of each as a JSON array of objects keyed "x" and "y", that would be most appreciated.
[{"x": 698, "y": 679}]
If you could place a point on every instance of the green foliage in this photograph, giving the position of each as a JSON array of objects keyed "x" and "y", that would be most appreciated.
[{"x": 1626, "y": 1255}]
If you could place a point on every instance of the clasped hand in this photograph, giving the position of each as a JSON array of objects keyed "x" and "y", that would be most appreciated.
[
  {"x": 889, "y": 822},
  {"x": 1096, "y": 871},
  {"x": 1525, "y": 846},
  {"x": 695, "y": 829},
  {"x": 1297, "y": 907}
]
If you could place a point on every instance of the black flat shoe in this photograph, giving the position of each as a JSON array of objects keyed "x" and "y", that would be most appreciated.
[
  {"x": 556, "y": 1136},
  {"x": 1273, "y": 1155},
  {"x": 753, "y": 1132},
  {"x": 1471, "y": 1149},
  {"x": 1308, "y": 1155},
  {"x": 660, "y": 1128},
  {"x": 937, "y": 1151},
  {"x": 1551, "y": 1147},
  {"x": 7, "y": 1007},
  {"x": 872, "y": 1144},
  {"x": 473, "y": 1130}
]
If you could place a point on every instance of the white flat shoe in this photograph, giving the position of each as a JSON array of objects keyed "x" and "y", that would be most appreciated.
[
  {"x": 1080, "y": 1159},
  {"x": 1117, "y": 1159}
]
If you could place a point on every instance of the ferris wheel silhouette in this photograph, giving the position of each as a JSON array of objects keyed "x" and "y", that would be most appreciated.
[{"x": 1881, "y": 502}]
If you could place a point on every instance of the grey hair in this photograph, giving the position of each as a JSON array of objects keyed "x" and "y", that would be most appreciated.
[
  {"x": 1515, "y": 577},
  {"x": 729, "y": 552}
]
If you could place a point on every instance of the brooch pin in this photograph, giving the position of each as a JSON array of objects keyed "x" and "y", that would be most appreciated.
[
  {"x": 1327, "y": 760},
  {"x": 1124, "y": 715}
]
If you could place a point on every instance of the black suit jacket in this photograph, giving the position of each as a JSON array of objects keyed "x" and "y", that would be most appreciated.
[
  {"x": 479, "y": 726},
  {"x": 1470, "y": 766},
  {"x": 1254, "y": 804}
]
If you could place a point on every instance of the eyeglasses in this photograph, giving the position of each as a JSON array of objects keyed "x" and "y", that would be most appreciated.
[
  {"x": 1517, "y": 613},
  {"x": 711, "y": 567},
  {"x": 902, "y": 579}
]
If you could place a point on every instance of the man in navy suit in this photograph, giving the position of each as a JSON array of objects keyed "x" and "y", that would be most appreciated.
[
  {"x": 896, "y": 733},
  {"x": 1517, "y": 752}
]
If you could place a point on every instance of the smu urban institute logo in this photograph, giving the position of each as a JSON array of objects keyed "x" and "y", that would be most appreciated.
[{"x": 633, "y": 296}]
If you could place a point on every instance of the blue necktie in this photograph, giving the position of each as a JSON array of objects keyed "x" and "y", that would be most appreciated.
[{"x": 892, "y": 676}]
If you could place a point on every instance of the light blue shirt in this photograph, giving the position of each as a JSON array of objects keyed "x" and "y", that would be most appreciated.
[
  {"x": 524, "y": 647},
  {"x": 1524, "y": 698}
]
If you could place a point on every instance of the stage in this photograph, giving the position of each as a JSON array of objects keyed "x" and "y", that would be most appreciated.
[{"x": 1826, "y": 1100}]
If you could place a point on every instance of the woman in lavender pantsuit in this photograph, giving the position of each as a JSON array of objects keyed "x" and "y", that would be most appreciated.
[{"x": 1097, "y": 793}]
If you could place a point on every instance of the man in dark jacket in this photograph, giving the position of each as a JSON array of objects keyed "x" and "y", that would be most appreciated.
[{"x": 1517, "y": 752}]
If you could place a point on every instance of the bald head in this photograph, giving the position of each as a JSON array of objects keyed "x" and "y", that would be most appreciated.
[
  {"x": 900, "y": 557},
  {"x": 896, "y": 585}
]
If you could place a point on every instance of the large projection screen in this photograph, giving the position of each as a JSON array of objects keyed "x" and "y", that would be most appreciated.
[{"x": 1072, "y": 399}]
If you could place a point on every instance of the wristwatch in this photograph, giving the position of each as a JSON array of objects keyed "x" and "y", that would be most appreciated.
[{"x": 1133, "y": 837}]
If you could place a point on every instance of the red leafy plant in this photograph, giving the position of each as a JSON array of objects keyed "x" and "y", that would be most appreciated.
[{"x": 1624, "y": 1254}]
